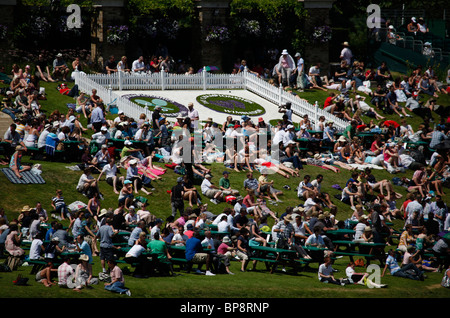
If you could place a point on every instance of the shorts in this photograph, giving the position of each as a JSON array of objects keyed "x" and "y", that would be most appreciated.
[
  {"x": 211, "y": 193},
  {"x": 106, "y": 253},
  {"x": 199, "y": 258},
  {"x": 241, "y": 255},
  {"x": 328, "y": 109},
  {"x": 123, "y": 199},
  {"x": 38, "y": 276}
]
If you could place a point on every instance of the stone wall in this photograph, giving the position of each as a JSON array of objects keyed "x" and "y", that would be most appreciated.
[
  {"x": 210, "y": 13},
  {"x": 110, "y": 12}
]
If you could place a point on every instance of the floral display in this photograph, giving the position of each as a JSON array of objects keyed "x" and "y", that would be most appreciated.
[
  {"x": 322, "y": 34},
  {"x": 117, "y": 34},
  {"x": 219, "y": 34},
  {"x": 40, "y": 27},
  {"x": 169, "y": 107},
  {"x": 250, "y": 27},
  {"x": 231, "y": 104},
  {"x": 3, "y": 31}
]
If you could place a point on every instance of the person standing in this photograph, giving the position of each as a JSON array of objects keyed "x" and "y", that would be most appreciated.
[
  {"x": 193, "y": 115},
  {"x": 285, "y": 67},
  {"x": 97, "y": 117},
  {"x": 300, "y": 70},
  {"x": 106, "y": 233},
  {"x": 176, "y": 197},
  {"x": 346, "y": 54}
]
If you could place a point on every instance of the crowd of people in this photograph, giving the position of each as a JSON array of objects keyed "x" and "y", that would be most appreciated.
[{"x": 375, "y": 203}]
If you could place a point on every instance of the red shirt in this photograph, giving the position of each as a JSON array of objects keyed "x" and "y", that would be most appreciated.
[
  {"x": 327, "y": 102},
  {"x": 373, "y": 148},
  {"x": 388, "y": 123}
]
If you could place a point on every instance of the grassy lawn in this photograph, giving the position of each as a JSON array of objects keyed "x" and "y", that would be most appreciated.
[{"x": 259, "y": 284}]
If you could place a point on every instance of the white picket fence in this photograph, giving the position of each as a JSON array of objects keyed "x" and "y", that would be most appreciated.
[{"x": 106, "y": 84}]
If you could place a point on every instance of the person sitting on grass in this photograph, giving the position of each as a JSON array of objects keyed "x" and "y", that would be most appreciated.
[
  {"x": 211, "y": 191},
  {"x": 360, "y": 278},
  {"x": 325, "y": 273},
  {"x": 137, "y": 179},
  {"x": 15, "y": 162},
  {"x": 110, "y": 171},
  {"x": 87, "y": 184},
  {"x": 60, "y": 206},
  {"x": 44, "y": 275},
  {"x": 117, "y": 284},
  {"x": 404, "y": 271}
]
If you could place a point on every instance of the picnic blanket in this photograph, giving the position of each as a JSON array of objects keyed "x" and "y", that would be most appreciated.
[{"x": 28, "y": 177}]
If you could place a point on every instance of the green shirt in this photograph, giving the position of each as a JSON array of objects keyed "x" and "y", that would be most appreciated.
[
  {"x": 224, "y": 183},
  {"x": 158, "y": 247},
  {"x": 125, "y": 152},
  {"x": 350, "y": 129}
]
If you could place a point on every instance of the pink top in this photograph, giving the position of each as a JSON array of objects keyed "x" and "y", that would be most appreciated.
[
  {"x": 222, "y": 249},
  {"x": 248, "y": 201},
  {"x": 116, "y": 273}
]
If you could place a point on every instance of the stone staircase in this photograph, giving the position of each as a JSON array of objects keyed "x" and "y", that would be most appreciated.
[{"x": 5, "y": 122}]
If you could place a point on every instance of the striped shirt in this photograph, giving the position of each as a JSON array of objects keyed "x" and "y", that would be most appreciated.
[{"x": 58, "y": 201}]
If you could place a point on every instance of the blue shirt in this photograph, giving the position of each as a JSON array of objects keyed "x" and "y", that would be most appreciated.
[
  {"x": 134, "y": 236},
  {"x": 392, "y": 264},
  {"x": 97, "y": 115},
  {"x": 86, "y": 249},
  {"x": 106, "y": 233},
  {"x": 132, "y": 172},
  {"x": 313, "y": 239},
  {"x": 193, "y": 246}
]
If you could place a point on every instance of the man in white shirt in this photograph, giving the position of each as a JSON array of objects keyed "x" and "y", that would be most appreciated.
[
  {"x": 414, "y": 206},
  {"x": 87, "y": 182},
  {"x": 43, "y": 136},
  {"x": 210, "y": 190},
  {"x": 305, "y": 188},
  {"x": 279, "y": 136},
  {"x": 289, "y": 134},
  {"x": 36, "y": 248},
  {"x": 346, "y": 54},
  {"x": 138, "y": 65},
  {"x": 110, "y": 171},
  {"x": 208, "y": 241},
  {"x": 314, "y": 75},
  {"x": 223, "y": 225},
  {"x": 102, "y": 157},
  {"x": 192, "y": 114},
  {"x": 102, "y": 136},
  {"x": 300, "y": 71}
]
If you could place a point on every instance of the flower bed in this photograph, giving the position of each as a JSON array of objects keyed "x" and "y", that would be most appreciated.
[
  {"x": 168, "y": 107},
  {"x": 230, "y": 104}
]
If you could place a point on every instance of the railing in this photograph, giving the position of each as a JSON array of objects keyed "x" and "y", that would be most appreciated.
[
  {"x": 105, "y": 84},
  {"x": 87, "y": 83}
]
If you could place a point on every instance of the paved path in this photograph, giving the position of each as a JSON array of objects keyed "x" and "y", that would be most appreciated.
[{"x": 185, "y": 96}]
